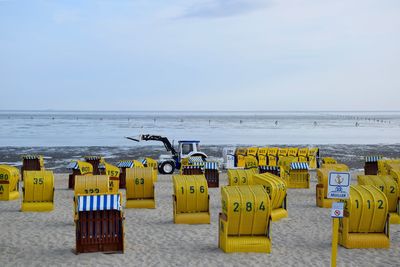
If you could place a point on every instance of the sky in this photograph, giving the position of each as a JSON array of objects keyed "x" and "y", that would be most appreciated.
[{"x": 200, "y": 55}]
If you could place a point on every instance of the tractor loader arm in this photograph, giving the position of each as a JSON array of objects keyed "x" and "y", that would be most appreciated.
[{"x": 149, "y": 137}]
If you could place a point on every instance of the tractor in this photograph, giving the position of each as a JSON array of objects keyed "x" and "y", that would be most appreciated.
[{"x": 168, "y": 163}]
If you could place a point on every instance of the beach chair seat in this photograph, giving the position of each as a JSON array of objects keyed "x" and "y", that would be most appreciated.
[
  {"x": 78, "y": 168},
  {"x": 38, "y": 191},
  {"x": 190, "y": 199},
  {"x": 366, "y": 220},
  {"x": 262, "y": 155},
  {"x": 303, "y": 154},
  {"x": 9, "y": 183},
  {"x": 99, "y": 226},
  {"x": 276, "y": 189},
  {"x": 244, "y": 222},
  {"x": 293, "y": 151},
  {"x": 211, "y": 173},
  {"x": 298, "y": 175},
  {"x": 240, "y": 154},
  {"x": 140, "y": 188},
  {"x": 273, "y": 156}
]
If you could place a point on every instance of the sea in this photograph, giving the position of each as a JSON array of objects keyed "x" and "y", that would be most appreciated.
[{"x": 108, "y": 128}]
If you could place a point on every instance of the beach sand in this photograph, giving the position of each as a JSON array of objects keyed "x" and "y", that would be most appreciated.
[{"x": 151, "y": 238}]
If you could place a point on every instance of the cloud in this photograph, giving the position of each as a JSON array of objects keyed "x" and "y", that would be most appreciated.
[{"x": 222, "y": 8}]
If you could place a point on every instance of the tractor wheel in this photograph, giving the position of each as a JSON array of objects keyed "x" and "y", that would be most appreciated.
[{"x": 166, "y": 167}]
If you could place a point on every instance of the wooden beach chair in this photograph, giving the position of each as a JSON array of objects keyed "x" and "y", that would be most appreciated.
[
  {"x": 140, "y": 191},
  {"x": 9, "y": 183},
  {"x": 366, "y": 220},
  {"x": 38, "y": 191},
  {"x": 244, "y": 222},
  {"x": 191, "y": 202},
  {"x": 276, "y": 189},
  {"x": 99, "y": 226}
]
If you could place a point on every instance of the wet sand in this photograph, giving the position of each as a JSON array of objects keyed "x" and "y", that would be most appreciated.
[{"x": 57, "y": 158}]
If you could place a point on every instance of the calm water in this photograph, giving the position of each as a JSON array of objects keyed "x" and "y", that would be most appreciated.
[{"x": 50, "y": 128}]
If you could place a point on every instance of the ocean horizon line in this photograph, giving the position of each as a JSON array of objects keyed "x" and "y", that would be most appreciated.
[{"x": 194, "y": 111}]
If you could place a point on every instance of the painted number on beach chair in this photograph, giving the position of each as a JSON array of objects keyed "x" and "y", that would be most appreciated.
[
  {"x": 37, "y": 180},
  {"x": 192, "y": 189},
  {"x": 201, "y": 189},
  {"x": 235, "y": 207},
  {"x": 249, "y": 206},
  {"x": 5, "y": 177},
  {"x": 392, "y": 189},
  {"x": 85, "y": 169},
  {"x": 112, "y": 173},
  {"x": 139, "y": 181},
  {"x": 380, "y": 204},
  {"x": 92, "y": 190},
  {"x": 268, "y": 189}
]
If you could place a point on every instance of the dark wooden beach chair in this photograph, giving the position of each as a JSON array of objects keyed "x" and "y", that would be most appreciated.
[{"x": 99, "y": 227}]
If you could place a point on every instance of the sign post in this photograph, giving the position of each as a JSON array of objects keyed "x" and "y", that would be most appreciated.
[{"x": 338, "y": 188}]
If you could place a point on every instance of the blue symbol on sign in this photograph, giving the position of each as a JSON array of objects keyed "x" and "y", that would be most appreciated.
[{"x": 338, "y": 189}]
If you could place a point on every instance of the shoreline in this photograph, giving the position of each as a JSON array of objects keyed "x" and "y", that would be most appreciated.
[{"x": 58, "y": 157}]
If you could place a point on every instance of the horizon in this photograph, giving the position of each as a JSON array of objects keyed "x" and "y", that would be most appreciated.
[{"x": 239, "y": 111}]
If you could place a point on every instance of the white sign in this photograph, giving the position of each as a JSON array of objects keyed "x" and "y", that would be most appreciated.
[
  {"x": 229, "y": 157},
  {"x": 339, "y": 185},
  {"x": 337, "y": 210}
]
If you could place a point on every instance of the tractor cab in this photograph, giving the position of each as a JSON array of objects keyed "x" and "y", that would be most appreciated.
[{"x": 188, "y": 148}]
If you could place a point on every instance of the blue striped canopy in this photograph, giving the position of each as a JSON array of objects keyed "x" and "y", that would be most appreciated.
[
  {"x": 372, "y": 158},
  {"x": 73, "y": 165},
  {"x": 299, "y": 166},
  {"x": 270, "y": 168},
  {"x": 211, "y": 165},
  {"x": 125, "y": 164},
  {"x": 99, "y": 202}
]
